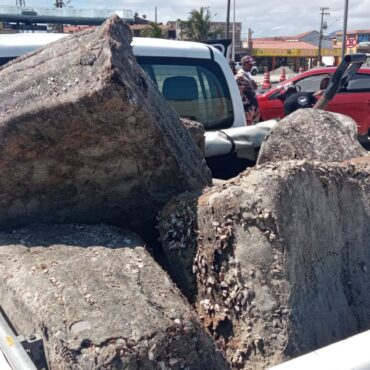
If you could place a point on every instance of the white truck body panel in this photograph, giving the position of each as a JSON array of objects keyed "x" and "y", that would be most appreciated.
[
  {"x": 4, "y": 365},
  {"x": 16, "y": 44},
  {"x": 349, "y": 354}
]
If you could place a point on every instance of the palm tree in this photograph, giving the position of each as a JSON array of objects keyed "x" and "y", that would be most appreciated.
[
  {"x": 153, "y": 30},
  {"x": 198, "y": 25}
]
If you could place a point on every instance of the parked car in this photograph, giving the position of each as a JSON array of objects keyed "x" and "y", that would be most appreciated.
[
  {"x": 353, "y": 101},
  {"x": 253, "y": 71}
]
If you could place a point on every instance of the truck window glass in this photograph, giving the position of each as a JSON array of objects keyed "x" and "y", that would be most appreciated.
[
  {"x": 195, "y": 88},
  {"x": 5, "y": 60},
  {"x": 359, "y": 83}
]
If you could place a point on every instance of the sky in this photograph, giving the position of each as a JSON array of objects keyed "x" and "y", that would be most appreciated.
[{"x": 266, "y": 17}]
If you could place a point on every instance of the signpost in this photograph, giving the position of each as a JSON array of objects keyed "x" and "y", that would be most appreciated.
[
  {"x": 344, "y": 33},
  {"x": 351, "y": 42}
]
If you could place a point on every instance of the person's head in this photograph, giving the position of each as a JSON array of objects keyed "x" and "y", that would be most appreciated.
[
  {"x": 324, "y": 83},
  {"x": 247, "y": 63},
  {"x": 232, "y": 65}
]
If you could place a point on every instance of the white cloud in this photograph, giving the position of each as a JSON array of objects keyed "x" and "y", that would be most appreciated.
[{"x": 267, "y": 17}]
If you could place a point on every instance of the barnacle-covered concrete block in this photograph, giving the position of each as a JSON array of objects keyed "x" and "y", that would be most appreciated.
[
  {"x": 196, "y": 130},
  {"x": 312, "y": 134},
  {"x": 99, "y": 301},
  {"x": 278, "y": 258},
  {"x": 85, "y": 136}
]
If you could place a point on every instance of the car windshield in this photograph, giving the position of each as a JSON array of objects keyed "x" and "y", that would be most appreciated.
[
  {"x": 195, "y": 88},
  {"x": 309, "y": 84},
  {"x": 312, "y": 83}
]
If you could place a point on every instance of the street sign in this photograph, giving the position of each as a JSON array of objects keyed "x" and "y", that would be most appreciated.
[{"x": 351, "y": 42}]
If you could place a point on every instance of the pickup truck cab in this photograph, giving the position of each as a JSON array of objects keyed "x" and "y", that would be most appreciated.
[{"x": 195, "y": 78}]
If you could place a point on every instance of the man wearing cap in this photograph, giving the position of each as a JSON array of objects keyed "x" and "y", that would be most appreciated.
[{"x": 247, "y": 87}]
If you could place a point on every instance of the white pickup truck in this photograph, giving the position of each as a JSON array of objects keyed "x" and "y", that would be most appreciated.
[{"x": 197, "y": 82}]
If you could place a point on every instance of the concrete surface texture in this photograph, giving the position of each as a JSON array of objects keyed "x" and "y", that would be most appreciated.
[
  {"x": 87, "y": 137},
  {"x": 280, "y": 258},
  {"x": 312, "y": 134},
  {"x": 99, "y": 300}
]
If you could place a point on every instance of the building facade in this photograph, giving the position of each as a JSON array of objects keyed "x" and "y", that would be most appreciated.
[
  {"x": 295, "y": 52},
  {"x": 361, "y": 44}
]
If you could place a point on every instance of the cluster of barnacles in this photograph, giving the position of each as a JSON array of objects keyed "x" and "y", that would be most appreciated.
[
  {"x": 180, "y": 228},
  {"x": 241, "y": 355},
  {"x": 221, "y": 278}
]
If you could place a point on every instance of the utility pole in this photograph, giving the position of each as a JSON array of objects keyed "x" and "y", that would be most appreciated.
[
  {"x": 250, "y": 42},
  {"x": 155, "y": 16},
  {"x": 323, "y": 13},
  {"x": 20, "y": 3},
  {"x": 59, "y": 4},
  {"x": 228, "y": 20},
  {"x": 344, "y": 34},
  {"x": 233, "y": 47}
]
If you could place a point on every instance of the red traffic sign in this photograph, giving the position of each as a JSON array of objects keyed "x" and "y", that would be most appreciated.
[{"x": 351, "y": 42}]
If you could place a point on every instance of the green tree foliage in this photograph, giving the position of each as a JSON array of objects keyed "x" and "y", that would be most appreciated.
[
  {"x": 153, "y": 30},
  {"x": 198, "y": 25}
]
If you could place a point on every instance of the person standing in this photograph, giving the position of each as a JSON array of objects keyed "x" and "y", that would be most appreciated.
[{"x": 247, "y": 87}]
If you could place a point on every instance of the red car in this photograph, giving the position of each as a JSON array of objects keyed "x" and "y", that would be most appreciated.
[{"x": 353, "y": 101}]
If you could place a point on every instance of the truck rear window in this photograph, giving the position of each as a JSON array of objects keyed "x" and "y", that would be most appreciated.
[{"x": 195, "y": 88}]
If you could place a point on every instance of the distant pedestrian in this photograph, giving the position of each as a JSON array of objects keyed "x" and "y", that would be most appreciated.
[
  {"x": 247, "y": 87},
  {"x": 232, "y": 65}
]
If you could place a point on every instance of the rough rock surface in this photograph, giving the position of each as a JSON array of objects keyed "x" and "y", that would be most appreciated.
[
  {"x": 314, "y": 135},
  {"x": 196, "y": 130},
  {"x": 280, "y": 256},
  {"x": 86, "y": 137},
  {"x": 99, "y": 300},
  {"x": 178, "y": 236}
]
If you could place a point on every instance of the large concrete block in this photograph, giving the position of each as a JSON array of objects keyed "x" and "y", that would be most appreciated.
[
  {"x": 277, "y": 259},
  {"x": 99, "y": 301},
  {"x": 85, "y": 136},
  {"x": 312, "y": 134}
]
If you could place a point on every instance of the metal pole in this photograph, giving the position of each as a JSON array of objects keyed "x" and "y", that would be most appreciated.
[
  {"x": 228, "y": 20},
  {"x": 344, "y": 34},
  {"x": 233, "y": 49},
  {"x": 12, "y": 349},
  {"x": 320, "y": 40},
  {"x": 321, "y": 31}
]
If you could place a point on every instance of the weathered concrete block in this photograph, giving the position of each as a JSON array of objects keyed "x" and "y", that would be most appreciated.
[
  {"x": 314, "y": 135},
  {"x": 85, "y": 136},
  {"x": 280, "y": 258},
  {"x": 99, "y": 300},
  {"x": 196, "y": 130}
]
